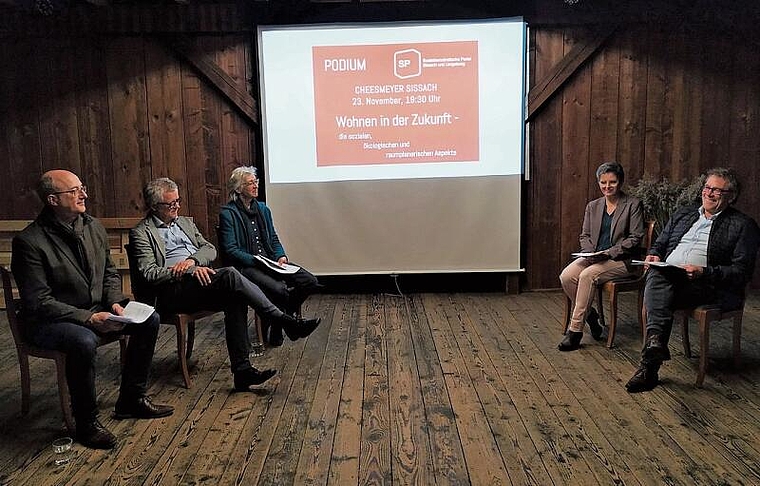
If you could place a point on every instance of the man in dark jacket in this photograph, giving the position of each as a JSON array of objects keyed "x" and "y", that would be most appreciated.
[
  {"x": 710, "y": 252},
  {"x": 69, "y": 291}
]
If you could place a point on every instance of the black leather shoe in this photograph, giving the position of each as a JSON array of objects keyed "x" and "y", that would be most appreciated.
[
  {"x": 571, "y": 342},
  {"x": 654, "y": 350},
  {"x": 95, "y": 436},
  {"x": 141, "y": 408},
  {"x": 300, "y": 328},
  {"x": 644, "y": 379},
  {"x": 251, "y": 376},
  {"x": 592, "y": 319}
]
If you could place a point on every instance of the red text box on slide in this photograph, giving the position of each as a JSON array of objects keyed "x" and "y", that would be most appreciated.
[{"x": 396, "y": 103}]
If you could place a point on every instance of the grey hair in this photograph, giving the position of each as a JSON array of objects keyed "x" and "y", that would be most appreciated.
[
  {"x": 729, "y": 176},
  {"x": 614, "y": 168},
  {"x": 45, "y": 187},
  {"x": 236, "y": 180},
  {"x": 155, "y": 189}
]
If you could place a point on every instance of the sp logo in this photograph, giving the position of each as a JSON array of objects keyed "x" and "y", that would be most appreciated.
[{"x": 407, "y": 63}]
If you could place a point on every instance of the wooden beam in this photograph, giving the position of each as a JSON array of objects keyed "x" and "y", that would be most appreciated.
[
  {"x": 553, "y": 81},
  {"x": 221, "y": 81}
]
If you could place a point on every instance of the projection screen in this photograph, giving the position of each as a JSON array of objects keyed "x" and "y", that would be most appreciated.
[{"x": 395, "y": 148}]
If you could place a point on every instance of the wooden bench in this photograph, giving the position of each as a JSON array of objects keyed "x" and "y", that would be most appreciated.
[{"x": 118, "y": 236}]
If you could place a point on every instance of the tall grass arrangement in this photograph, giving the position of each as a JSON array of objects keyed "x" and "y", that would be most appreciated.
[{"x": 661, "y": 197}]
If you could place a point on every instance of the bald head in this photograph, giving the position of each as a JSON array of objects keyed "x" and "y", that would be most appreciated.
[{"x": 63, "y": 192}]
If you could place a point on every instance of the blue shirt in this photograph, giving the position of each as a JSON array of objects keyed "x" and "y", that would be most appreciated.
[
  {"x": 177, "y": 243},
  {"x": 692, "y": 249}
]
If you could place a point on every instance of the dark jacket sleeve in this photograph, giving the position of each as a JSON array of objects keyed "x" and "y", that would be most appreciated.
[
  {"x": 232, "y": 239},
  {"x": 733, "y": 267},
  {"x": 274, "y": 240},
  {"x": 38, "y": 299}
]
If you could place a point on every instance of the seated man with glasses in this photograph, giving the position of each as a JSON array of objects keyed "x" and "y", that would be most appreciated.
[
  {"x": 711, "y": 252},
  {"x": 174, "y": 271},
  {"x": 69, "y": 291},
  {"x": 246, "y": 230}
]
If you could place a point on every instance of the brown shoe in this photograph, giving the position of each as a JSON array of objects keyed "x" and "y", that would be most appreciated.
[
  {"x": 141, "y": 408},
  {"x": 95, "y": 436}
]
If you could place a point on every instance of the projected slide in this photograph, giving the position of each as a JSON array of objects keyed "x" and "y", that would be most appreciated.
[
  {"x": 396, "y": 147},
  {"x": 400, "y": 101},
  {"x": 396, "y": 103}
]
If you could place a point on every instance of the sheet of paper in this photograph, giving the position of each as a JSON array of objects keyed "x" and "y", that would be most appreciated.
[
  {"x": 136, "y": 312},
  {"x": 286, "y": 268},
  {"x": 654, "y": 264},
  {"x": 587, "y": 254}
]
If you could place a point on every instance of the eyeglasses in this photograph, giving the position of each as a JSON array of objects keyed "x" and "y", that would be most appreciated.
[
  {"x": 77, "y": 190},
  {"x": 715, "y": 190},
  {"x": 171, "y": 205},
  {"x": 254, "y": 182}
]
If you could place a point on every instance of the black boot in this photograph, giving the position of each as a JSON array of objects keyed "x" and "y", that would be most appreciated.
[
  {"x": 571, "y": 342},
  {"x": 592, "y": 319},
  {"x": 644, "y": 379}
]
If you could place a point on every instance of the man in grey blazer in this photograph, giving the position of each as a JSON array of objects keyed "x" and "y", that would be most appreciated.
[
  {"x": 174, "y": 271},
  {"x": 69, "y": 290}
]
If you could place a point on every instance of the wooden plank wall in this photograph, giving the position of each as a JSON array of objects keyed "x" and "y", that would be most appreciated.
[
  {"x": 664, "y": 102},
  {"x": 119, "y": 108},
  {"x": 120, "y": 111}
]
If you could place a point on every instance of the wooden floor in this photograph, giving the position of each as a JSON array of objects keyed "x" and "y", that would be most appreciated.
[{"x": 424, "y": 389}]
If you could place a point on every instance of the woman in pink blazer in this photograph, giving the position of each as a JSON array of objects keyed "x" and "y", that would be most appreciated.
[{"x": 613, "y": 228}]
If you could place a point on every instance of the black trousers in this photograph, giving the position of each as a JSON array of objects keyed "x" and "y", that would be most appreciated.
[
  {"x": 80, "y": 344},
  {"x": 668, "y": 289},
  {"x": 287, "y": 291},
  {"x": 228, "y": 291}
]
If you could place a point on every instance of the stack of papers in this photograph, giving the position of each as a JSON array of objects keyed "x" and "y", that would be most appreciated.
[
  {"x": 135, "y": 312},
  {"x": 284, "y": 268}
]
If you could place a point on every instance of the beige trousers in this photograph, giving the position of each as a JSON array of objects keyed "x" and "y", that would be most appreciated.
[{"x": 580, "y": 278}]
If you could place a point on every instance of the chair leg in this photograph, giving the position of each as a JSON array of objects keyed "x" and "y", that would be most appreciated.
[
  {"x": 704, "y": 345},
  {"x": 259, "y": 331},
  {"x": 123, "y": 350},
  {"x": 181, "y": 350},
  {"x": 63, "y": 394},
  {"x": 613, "y": 318},
  {"x": 600, "y": 302},
  {"x": 737, "y": 340},
  {"x": 190, "y": 339},
  {"x": 568, "y": 310},
  {"x": 23, "y": 363},
  {"x": 684, "y": 318},
  {"x": 642, "y": 315}
]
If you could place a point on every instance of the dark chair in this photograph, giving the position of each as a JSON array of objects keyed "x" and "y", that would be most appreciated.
[
  {"x": 183, "y": 322},
  {"x": 706, "y": 316},
  {"x": 613, "y": 288},
  {"x": 25, "y": 350}
]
